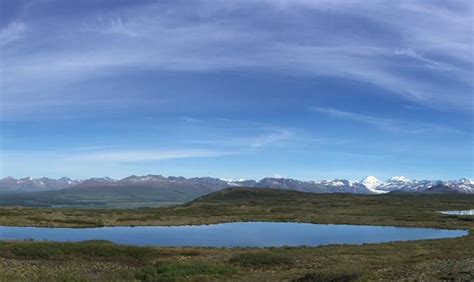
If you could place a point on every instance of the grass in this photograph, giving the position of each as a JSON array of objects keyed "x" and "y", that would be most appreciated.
[
  {"x": 429, "y": 260},
  {"x": 329, "y": 276},
  {"x": 86, "y": 250},
  {"x": 178, "y": 270},
  {"x": 98, "y": 197},
  {"x": 261, "y": 259},
  {"x": 264, "y": 205}
]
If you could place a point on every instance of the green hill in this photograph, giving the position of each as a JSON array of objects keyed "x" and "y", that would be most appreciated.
[{"x": 116, "y": 197}]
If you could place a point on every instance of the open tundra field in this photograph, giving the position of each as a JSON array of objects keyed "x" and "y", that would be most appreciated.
[{"x": 445, "y": 259}]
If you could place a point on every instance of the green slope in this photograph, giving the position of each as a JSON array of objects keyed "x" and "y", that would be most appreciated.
[{"x": 116, "y": 197}]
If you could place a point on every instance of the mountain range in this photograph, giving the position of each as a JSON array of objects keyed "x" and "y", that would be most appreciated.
[{"x": 202, "y": 185}]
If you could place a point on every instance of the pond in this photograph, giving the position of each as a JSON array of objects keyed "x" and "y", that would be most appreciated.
[
  {"x": 237, "y": 234},
  {"x": 466, "y": 212}
]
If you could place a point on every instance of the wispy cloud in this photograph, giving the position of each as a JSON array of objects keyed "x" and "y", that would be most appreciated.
[
  {"x": 96, "y": 147},
  {"x": 243, "y": 135},
  {"x": 120, "y": 71},
  {"x": 11, "y": 32},
  {"x": 95, "y": 161},
  {"x": 276, "y": 136},
  {"x": 429, "y": 63},
  {"x": 386, "y": 124},
  {"x": 113, "y": 25},
  {"x": 146, "y": 155},
  {"x": 209, "y": 36}
]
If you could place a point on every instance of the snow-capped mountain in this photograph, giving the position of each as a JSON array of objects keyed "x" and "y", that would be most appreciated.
[
  {"x": 372, "y": 183},
  {"x": 403, "y": 184},
  {"x": 241, "y": 182},
  {"x": 324, "y": 186},
  {"x": 399, "y": 179},
  {"x": 202, "y": 185},
  {"x": 28, "y": 184}
]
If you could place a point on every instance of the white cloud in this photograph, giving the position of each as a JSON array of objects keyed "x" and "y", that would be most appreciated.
[
  {"x": 146, "y": 155},
  {"x": 11, "y": 32},
  {"x": 115, "y": 26},
  {"x": 94, "y": 161},
  {"x": 274, "y": 137},
  {"x": 245, "y": 136},
  {"x": 429, "y": 63},
  {"x": 209, "y": 36},
  {"x": 387, "y": 124}
]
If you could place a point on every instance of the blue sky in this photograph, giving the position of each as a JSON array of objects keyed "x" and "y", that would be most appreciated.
[{"x": 237, "y": 89}]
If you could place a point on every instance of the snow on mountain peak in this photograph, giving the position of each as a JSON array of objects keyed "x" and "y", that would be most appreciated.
[
  {"x": 370, "y": 182},
  {"x": 400, "y": 179},
  {"x": 337, "y": 183},
  {"x": 232, "y": 180},
  {"x": 467, "y": 181}
]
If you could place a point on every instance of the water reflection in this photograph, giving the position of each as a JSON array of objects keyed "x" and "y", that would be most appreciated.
[
  {"x": 466, "y": 212},
  {"x": 238, "y": 234}
]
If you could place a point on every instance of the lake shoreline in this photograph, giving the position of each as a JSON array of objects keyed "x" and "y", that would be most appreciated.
[
  {"x": 385, "y": 261},
  {"x": 393, "y": 210},
  {"x": 236, "y": 234}
]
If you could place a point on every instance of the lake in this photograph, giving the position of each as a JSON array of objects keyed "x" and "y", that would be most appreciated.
[
  {"x": 237, "y": 234},
  {"x": 466, "y": 212}
]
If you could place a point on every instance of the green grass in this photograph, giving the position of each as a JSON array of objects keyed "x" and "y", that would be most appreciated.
[
  {"x": 30, "y": 250},
  {"x": 329, "y": 276},
  {"x": 179, "y": 270},
  {"x": 99, "y": 197},
  {"x": 261, "y": 259}
]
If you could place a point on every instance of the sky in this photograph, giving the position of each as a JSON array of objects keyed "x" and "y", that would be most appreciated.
[{"x": 307, "y": 89}]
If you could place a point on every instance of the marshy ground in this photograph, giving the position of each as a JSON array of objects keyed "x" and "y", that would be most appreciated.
[{"x": 445, "y": 259}]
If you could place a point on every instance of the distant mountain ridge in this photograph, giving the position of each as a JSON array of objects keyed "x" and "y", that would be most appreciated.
[
  {"x": 203, "y": 185},
  {"x": 29, "y": 184}
]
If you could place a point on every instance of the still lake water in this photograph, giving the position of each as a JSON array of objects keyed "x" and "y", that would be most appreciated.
[
  {"x": 466, "y": 212},
  {"x": 238, "y": 234}
]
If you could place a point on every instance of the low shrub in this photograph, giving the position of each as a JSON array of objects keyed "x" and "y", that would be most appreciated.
[
  {"x": 261, "y": 259},
  {"x": 178, "y": 270},
  {"x": 87, "y": 250},
  {"x": 329, "y": 276}
]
